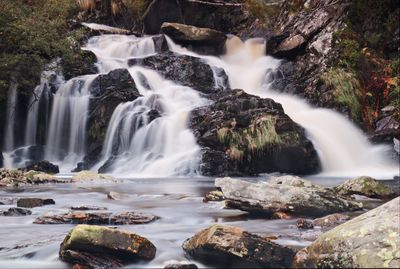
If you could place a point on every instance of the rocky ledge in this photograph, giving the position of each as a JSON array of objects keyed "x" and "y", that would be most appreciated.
[
  {"x": 88, "y": 246},
  {"x": 243, "y": 134}
]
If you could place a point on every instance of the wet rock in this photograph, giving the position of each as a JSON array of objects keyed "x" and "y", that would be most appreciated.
[
  {"x": 181, "y": 265},
  {"x": 13, "y": 177},
  {"x": 370, "y": 240},
  {"x": 202, "y": 40},
  {"x": 97, "y": 218},
  {"x": 387, "y": 129},
  {"x": 242, "y": 134},
  {"x": 101, "y": 247},
  {"x": 112, "y": 195},
  {"x": 87, "y": 207},
  {"x": 223, "y": 245},
  {"x": 366, "y": 186},
  {"x": 160, "y": 44},
  {"x": 90, "y": 176},
  {"x": 214, "y": 196},
  {"x": 43, "y": 166},
  {"x": 34, "y": 202},
  {"x": 288, "y": 194},
  {"x": 331, "y": 220},
  {"x": 15, "y": 211},
  {"x": 1, "y": 159},
  {"x": 290, "y": 46},
  {"x": 304, "y": 224},
  {"x": 182, "y": 69}
]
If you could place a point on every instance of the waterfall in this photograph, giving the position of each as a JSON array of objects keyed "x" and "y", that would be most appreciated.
[
  {"x": 11, "y": 116},
  {"x": 343, "y": 149}
]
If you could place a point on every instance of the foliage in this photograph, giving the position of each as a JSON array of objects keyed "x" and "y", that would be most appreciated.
[{"x": 262, "y": 10}]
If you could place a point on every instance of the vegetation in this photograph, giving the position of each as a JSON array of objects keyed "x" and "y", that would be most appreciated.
[
  {"x": 33, "y": 33},
  {"x": 264, "y": 11}
]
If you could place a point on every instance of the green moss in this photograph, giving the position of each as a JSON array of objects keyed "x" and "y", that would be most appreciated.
[
  {"x": 346, "y": 89},
  {"x": 265, "y": 12},
  {"x": 260, "y": 134}
]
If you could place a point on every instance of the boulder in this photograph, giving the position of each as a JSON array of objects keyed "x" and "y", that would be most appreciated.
[
  {"x": 34, "y": 202},
  {"x": 90, "y": 176},
  {"x": 184, "y": 70},
  {"x": 201, "y": 40},
  {"x": 13, "y": 177},
  {"x": 43, "y": 166},
  {"x": 366, "y": 186},
  {"x": 107, "y": 92},
  {"x": 15, "y": 211},
  {"x": 370, "y": 240},
  {"x": 101, "y": 247},
  {"x": 286, "y": 194},
  {"x": 214, "y": 196},
  {"x": 225, "y": 246},
  {"x": 242, "y": 134},
  {"x": 96, "y": 218},
  {"x": 304, "y": 224},
  {"x": 331, "y": 220}
]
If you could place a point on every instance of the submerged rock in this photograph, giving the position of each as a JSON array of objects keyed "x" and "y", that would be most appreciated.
[
  {"x": 34, "y": 202},
  {"x": 304, "y": 224},
  {"x": 366, "y": 186},
  {"x": 87, "y": 207},
  {"x": 15, "y": 211},
  {"x": 112, "y": 195},
  {"x": 224, "y": 245},
  {"x": 105, "y": 218},
  {"x": 89, "y": 176},
  {"x": 43, "y": 166},
  {"x": 202, "y": 40},
  {"x": 101, "y": 247},
  {"x": 370, "y": 240},
  {"x": 286, "y": 194},
  {"x": 243, "y": 134},
  {"x": 331, "y": 220}
]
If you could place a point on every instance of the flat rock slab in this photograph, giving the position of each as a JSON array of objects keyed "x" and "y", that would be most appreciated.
[
  {"x": 89, "y": 246},
  {"x": 15, "y": 211},
  {"x": 287, "y": 194},
  {"x": 34, "y": 202},
  {"x": 225, "y": 246},
  {"x": 104, "y": 218}
]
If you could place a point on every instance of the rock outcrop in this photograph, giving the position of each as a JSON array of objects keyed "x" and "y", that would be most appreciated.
[
  {"x": 225, "y": 246},
  {"x": 43, "y": 166},
  {"x": 366, "y": 186},
  {"x": 88, "y": 246},
  {"x": 287, "y": 194},
  {"x": 370, "y": 240},
  {"x": 15, "y": 211},
  {"x": 242, "y": 134}
]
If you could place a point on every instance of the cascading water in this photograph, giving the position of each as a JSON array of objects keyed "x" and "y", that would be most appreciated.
[
  {"x": 11, "y": 115},
  {"x": 342, "y": 147}
]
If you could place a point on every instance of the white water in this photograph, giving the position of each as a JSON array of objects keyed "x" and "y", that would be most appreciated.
[
  {"x": 343, "y": 149},
  {"x": 11, "y": 115}
]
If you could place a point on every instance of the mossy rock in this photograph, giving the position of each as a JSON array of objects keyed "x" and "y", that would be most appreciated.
[{"x": 366, "y": 186}]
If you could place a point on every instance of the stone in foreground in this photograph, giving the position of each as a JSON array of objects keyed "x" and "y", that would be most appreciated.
[
  {"x": 15, "y": 211},
  {"x": 90, "y": 246},
  {"x": 287, "y": 194},
  {"x": 223, "y": 245},
  {"x": 370, "y": 240},
  {"x": 366, "y": 186},
  {"x": 34, "y": 202}
]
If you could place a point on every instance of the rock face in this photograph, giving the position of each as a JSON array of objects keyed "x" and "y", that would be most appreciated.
[
  {"x": 43, "y": 166},
  {"x": 367, "y": 241},
  {"x": 97, "y": 218},
  {"x": 243, "y": 134},
  {"x": 34, "y": 202},
  {"x": 101, "y": 247},
  {"x": 15, "y": 211},
  {"x": 201, "y": 40},
  {"x": 108, "y": 91},
  {"x": 287, "y": 194},
  {"x": 224, "y": 245},
  {"x": 184, "y": 70},
  {"x": 366, "y": 186}
]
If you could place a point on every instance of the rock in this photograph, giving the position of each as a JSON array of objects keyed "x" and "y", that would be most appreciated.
[
  {"x": 35, "y": 177},
  {"x": 214, "y": 196},
  {"x": 1, "y": 159},
  {"x": 97, "y": 218},
  {"x": 202, "y": 40},
  {"x": 366, "y": 186},
  {"x": 107, "y": 92},
  {"x": 182, "y": 69},
  {"x": 13, "y": 177},
  {"x": 182, "y": 265},
  {"x": 304, "y": 224},
  {"x": 396, "y": 145},
  {"x": 112, "y": 195},
  {"x": 290, "y": 46},
  {"x": 16, "y": 211},
  {"x": 101, "y": 247},
  {"x": 242, "y": 134},
  {"x": 87, "y": 207},
  {"x": 370, "y": 240},
  {"x": 331, "y": 220},
  {"x": 287, "y": 194},
  {"x": 387, "y": 129},
  {"x": 34, "y": 202},
  {"x": 90, "y": 176},
  {"x": 43, "y": 166},
  {"x": 225, "y": 246}
]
